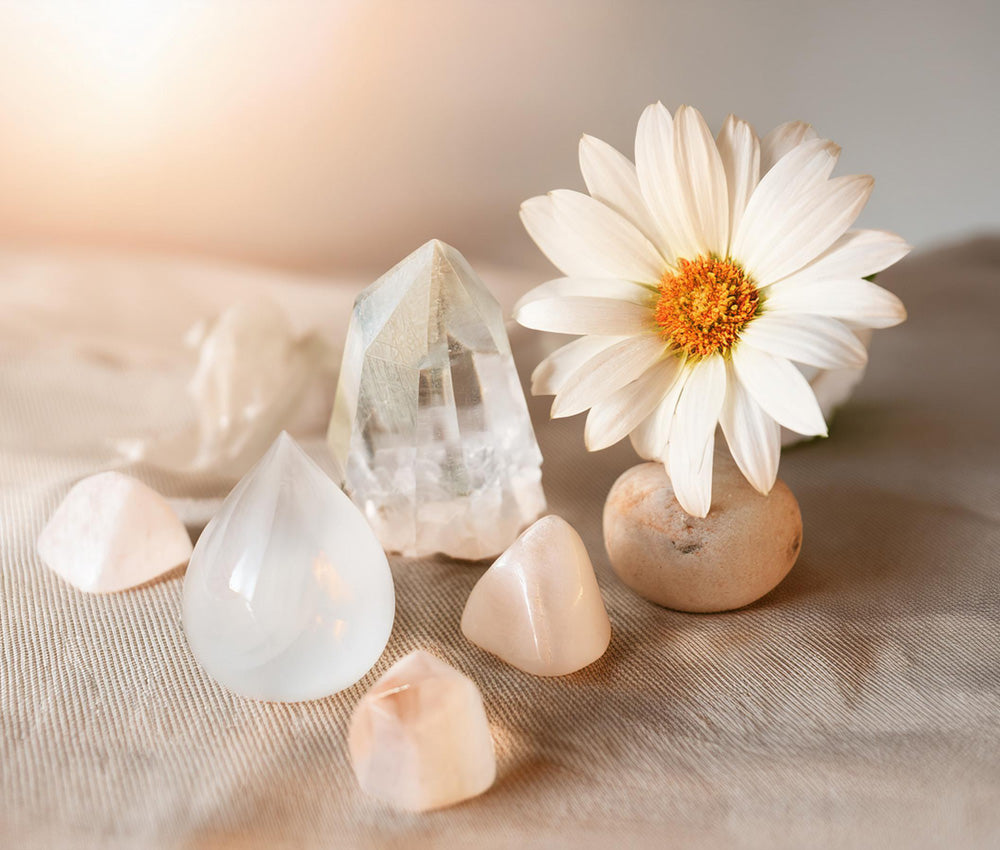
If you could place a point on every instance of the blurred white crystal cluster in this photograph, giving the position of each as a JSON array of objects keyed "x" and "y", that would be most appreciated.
[
  {"x": 254, "y": 377},
  {"x": 430, "y": 431}
]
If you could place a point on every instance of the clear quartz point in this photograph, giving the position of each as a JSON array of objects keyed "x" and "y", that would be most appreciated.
[
  {"x": 430, "y": 431},
  {"x": 288, "y": 595}
]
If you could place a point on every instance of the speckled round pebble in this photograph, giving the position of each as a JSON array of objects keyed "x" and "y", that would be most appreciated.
[{"x": 740, "y": 551}]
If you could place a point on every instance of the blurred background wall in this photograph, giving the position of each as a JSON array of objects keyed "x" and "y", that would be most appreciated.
[{"x": 344, "y": 133}]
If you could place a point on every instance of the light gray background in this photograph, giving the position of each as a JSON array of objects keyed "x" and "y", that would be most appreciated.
[{"x": 343, "y": 134}]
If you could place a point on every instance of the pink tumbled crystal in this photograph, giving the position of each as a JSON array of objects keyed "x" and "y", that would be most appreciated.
[
  {"x": 420, "y": 739},
  {"x": 539, "y": 607}
]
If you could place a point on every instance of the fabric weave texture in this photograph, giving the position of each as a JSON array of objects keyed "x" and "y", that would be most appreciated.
[{"x": 856, "y": 705}]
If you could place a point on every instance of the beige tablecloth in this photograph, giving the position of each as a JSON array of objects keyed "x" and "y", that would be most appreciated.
[{"x": 857, "y": 705}]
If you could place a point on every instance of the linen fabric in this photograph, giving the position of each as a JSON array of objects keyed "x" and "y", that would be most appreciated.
[{"x": 856, "y": 705}]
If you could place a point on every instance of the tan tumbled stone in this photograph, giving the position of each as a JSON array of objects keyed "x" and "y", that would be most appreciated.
[
  {"x": 740, "y": 551},
  {"x": 419, "y": 739},
  {"x": 539, "y": 607}
]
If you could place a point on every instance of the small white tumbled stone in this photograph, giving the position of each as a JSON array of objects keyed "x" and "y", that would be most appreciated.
[
  {"x": 288, "y": 595},
  {"x": 111, "y": 533},
  {"x": 539, "y": 607},
  {"x": 419, "y": 739}
]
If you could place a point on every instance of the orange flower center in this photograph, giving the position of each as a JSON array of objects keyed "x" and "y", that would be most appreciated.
[{"x": 705, "y": 304}]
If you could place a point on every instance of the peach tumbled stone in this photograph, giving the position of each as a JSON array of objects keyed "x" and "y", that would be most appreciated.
[
  {"x": 539, "y": 607},
  {"x": 112, "y": 533},
  {"x": 419, "y": 739},
  {"x": 739, "y": 552}
]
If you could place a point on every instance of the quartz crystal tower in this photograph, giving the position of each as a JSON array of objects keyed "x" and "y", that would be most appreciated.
[{"x": 430, "y": 430}]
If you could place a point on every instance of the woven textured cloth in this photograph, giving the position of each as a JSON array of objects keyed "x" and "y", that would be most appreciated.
[{"x": 856, "y": 705}]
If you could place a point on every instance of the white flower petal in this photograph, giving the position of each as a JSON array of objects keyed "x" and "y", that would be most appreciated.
[
  {"x": 608, "y": 371},
  {"x": 649, "y": 438},
  {"x": 780, "y": 389},
  {"x": 590, "y": 287},
  {"x": 754, "y": 438},
  {"x": 657, "y": 173},
  {"x": 611, "y": 179},
  {"x": 814, "y": 340},
  {"x": 832, "y": 387},
  {"x": 692, "y": 435},
  {"x": 538, "y": 216},
  {"x": 552, "y": 373},
  {"x": 781, "y": 140},
  {"x": 582, "y": 315},
  {"x": 740, "y": 151},
  {"x": 858, "y": 253},
  {"x": 702, "y": 182},
  {"x": 613, "y": 246},
  {"x": 620, "y": 413},
  {"x": 859, "y": 301},
  {"x": 805, "y": 168},
  {"x": 804, "y": 228}
]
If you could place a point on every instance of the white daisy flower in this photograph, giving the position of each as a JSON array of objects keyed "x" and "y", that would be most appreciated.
[{"x": 697, "y": 278}]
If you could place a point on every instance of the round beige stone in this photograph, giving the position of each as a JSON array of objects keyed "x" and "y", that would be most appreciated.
[{"x": 740, "y": 551}]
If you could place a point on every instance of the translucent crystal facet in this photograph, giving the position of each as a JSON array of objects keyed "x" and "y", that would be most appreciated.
[
  {"x": 539, "y": 607},
  {"x": 111, "y": 533},
  {"x": 430, "y": 429},
  {"x": 420, "y": 739},
  {"x": 288, "y": 595}
]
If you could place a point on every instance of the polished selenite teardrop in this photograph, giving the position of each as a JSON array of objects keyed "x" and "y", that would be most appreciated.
[{"x": 288, "y": 595}]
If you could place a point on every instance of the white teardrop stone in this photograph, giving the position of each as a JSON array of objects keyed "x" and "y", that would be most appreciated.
[
  {"x": 111, "y": 533},
  {"x": 288, "y": 595},
  {"x": 539, "y": 607},
  {"x": 420, "y": 739}
]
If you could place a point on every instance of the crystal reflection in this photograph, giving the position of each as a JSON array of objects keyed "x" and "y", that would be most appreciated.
[
  {"x": 338, "y": 592},
  {"x": 243, "y": 580}
]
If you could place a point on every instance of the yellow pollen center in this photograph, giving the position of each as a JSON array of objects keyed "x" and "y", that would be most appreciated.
[{"x": 705, "y": 304}]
